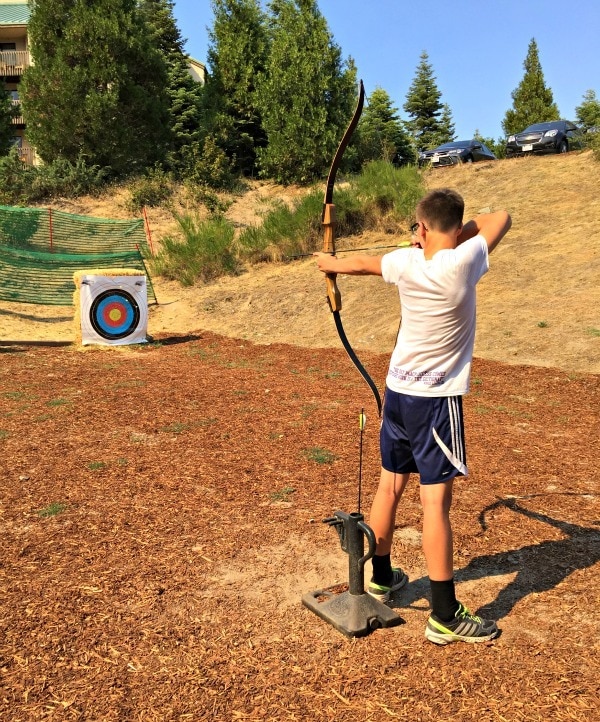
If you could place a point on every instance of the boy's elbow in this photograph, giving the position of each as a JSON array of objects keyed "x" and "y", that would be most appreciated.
[{"x": 503, "y": 222}]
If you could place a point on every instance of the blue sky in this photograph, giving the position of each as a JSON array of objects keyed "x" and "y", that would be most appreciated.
[{"x": 476, "y": 49}]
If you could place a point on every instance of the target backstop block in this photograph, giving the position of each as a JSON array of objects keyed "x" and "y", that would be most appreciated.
[{"x": 111, "y": 306}]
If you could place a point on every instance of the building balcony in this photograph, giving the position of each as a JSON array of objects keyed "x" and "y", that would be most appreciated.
[
  {"x": 28, "y": 155},
  {"x": 14, "y": 62},
  {"x": 17, "y": 119}
]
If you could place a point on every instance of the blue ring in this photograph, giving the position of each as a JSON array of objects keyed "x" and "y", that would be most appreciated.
[{"x": 130, "y": 308}]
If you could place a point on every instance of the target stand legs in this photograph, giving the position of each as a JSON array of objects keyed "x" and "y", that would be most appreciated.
[{"x": 353, "y": 612}]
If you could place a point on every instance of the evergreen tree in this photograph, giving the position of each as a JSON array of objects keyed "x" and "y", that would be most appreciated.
[
  {"x": 183, "y": 92},
  {"x": 7, "y": 112},
  {"x": 306, "y": 94},
  {"x": 447, "y": 130},
  {"x": 533, "y": 102},
  {"x": 96, "y": 88},
  {"x": 236, "y": 56},
  {"x": 588, "y": 113},
  {"x": 381, "y": 134},
  {"x": 430, "y": 120},
  {"x": 498, "y": 147}
]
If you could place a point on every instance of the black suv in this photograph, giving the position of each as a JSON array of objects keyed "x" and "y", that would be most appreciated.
[{"x": 555, "y": 136}]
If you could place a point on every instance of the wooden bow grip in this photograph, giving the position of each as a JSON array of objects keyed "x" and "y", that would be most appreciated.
[{"x": 334, "y": 297}]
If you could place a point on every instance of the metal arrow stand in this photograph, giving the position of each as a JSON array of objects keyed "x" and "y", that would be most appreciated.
[{"x": 353, "y": 612}]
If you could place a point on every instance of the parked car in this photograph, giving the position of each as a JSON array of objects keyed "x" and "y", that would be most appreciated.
[
  {"x": 457, "y": 151},
  {"x": 554, "y": 136}
]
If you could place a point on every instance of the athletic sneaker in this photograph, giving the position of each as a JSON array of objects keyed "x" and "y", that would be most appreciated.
[
  {"x": 383, "y": 593},
  {"x": 465, "y": 627}
]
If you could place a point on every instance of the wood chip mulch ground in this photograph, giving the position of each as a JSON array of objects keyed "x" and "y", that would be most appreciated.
[{"x": 161, "y": 517}]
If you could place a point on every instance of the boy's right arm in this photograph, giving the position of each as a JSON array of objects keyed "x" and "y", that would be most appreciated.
[{"x": 492, "y": 226}]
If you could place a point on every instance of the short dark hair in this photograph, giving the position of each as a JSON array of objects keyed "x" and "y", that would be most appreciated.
[{"x": 442, "y": 210}]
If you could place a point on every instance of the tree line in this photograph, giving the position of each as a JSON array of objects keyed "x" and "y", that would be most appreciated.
[{"x": 109, "y": 87}]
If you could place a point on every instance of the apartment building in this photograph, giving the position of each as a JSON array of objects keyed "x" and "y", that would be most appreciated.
[{"x": 14, "y": 58}]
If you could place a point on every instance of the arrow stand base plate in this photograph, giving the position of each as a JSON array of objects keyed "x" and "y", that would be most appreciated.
[{"x": 354, "y": 615}]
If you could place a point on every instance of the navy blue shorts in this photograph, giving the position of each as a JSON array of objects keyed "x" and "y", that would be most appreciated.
[{"x": 424, "y": 435}]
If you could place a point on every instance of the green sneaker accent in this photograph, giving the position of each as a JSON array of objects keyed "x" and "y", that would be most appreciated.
[
  {"x": 465, "y": 627},
  {"x": 382, "y": 592}
]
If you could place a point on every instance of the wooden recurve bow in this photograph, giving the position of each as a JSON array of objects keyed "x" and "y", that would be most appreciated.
[{"x": 334, "y": 297}]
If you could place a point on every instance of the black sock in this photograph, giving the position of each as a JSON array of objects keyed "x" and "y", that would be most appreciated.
[
  {"x": 382, "y": 569},
  {"x": 443, "y": 600}
]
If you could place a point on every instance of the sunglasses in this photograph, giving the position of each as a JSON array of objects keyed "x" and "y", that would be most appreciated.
[{"x": 415, "y": 227}]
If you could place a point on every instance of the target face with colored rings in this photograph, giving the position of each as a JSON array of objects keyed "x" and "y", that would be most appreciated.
[{"x": 114, "y": 314}]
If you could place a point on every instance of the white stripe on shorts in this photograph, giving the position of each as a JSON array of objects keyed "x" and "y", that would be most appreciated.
[{"x": 456, "y": 456}]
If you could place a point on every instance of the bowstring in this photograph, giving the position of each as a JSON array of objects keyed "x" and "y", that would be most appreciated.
[{"x": 362, "y": 420}]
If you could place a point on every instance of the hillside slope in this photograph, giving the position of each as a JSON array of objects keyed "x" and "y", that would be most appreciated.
[{"x": 538, "y": 305}]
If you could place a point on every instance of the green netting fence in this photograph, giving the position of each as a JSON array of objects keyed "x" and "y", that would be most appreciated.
[
  {"x": 45, "y": 229},
  {"x": 41, "y": 248},
  {"x": 47, "y": 278}
]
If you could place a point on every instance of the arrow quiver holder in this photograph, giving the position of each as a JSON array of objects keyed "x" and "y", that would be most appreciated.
[{"x": 352, "y": 612}]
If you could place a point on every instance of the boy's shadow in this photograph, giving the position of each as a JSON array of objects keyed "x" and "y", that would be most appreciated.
[{"x": 538, "y": 567}]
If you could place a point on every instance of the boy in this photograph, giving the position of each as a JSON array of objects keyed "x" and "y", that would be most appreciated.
[{"x": 422, "y": 426}]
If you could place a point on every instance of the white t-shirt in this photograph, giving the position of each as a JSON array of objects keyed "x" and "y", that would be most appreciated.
[{"x": 433, "y": 353}]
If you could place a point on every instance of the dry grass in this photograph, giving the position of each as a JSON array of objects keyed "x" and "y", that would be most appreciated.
[{"x": 538, "y": 305}]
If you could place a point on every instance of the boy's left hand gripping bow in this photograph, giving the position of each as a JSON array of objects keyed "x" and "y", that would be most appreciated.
[{"x": 334, "y": 297}]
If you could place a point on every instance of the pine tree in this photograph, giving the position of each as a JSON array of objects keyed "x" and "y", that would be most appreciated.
[
  {"x": 498, "y": 147},
  {"x": 533, "y": 102},
  {"x": 236, "y": 56},
  {"x": 306, "y": 94},
  {"x": 96, "y": 88},
  {"x": 588, "y": 113},
  {"x": 381, "y": 134},
  {"x": 448, "y": 130},
  {"x": 183, "y": 92},
  {"x": 430, "y": 120}
]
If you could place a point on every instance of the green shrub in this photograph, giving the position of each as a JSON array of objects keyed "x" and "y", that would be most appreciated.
[
  {"x": 21, "y": 184},
  {"x": 206, "y": 251},
  {"x": 381, "y": 197},
  {"x": 15, "y": 179},
  {"x": 593, "y": 142},
  {"x": 298, "y": 229},
  {"x": 388, "y": 194},
  {"x": 151, "y": 190},
  {"x": 64, "y": 178},
  {"x": 285, "y": 230},
  {"x": 207, "y": 165},
  {"x": 200, "y": 194}
]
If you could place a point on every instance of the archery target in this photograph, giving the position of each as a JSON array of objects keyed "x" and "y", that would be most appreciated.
[{"x": 114, "y": 310}]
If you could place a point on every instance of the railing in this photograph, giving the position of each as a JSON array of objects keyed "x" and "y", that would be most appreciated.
[
  {"x": 27, "y": 155},
  {"x": 14, "y": 62},
  {"x": 17, "y": 119}
]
